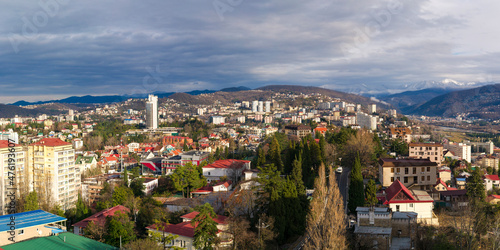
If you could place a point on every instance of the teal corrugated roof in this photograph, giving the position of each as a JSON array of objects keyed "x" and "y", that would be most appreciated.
[{"x": 62, "y": 241}]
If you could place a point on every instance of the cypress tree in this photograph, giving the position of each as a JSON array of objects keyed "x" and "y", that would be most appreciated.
[
  {"x": 371, "y": 194},
  {"x": 275, "y": 154},
  {"x": 475, "y": 187},
  {"x": 297, "y": 176},
  {"x": 356, "y": 192}
]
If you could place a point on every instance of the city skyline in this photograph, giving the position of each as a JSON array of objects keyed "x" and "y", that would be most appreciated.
[{"x": 56, "y": 49}]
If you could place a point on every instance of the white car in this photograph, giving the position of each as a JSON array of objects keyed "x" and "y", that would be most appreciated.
[{"x": 339, "y": 170}]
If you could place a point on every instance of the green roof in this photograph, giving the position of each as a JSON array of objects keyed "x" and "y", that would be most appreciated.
[{"x": 73, "y": 241}]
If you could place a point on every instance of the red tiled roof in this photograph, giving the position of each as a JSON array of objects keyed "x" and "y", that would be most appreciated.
[
  {"x": 220, "y": 218},
  {"x": 492, "y": 177},
  {"x": 184, "y": 229},
  {"x": 5, "y": 144},
  {"x": 395, "y": 188},
  {"x": 101, "y": 216},
  {"x": 50, "y": 142},
  {"x": 229, "y": 163}
]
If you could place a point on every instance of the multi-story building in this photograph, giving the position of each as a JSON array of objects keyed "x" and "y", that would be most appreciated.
[
  {"x": 53, "y": 172},
  {"x": 431, "y": 151},
  {"x": 297, "y": 130},
  {"x": 489, "y": 161},
  {"x": 461, "y": 150},
  {"x": 268, "y": 106},
  {"x": 167, "y": 140},
  {"x": 372, "y": 108},
  {"x": 367, "y": 121},
  {"x": 403, "y": 133},
  {"x": 255, "y": 105},
  {"x": 217, "y": 120},
  {"x": 261, "y": 106},
  {"x": 491, "y": 182},
  {"x": 152, "y": 112},
  {"x": 12, "y": 175},
  {"x": 160, "y": 165},
  {"x": 418, "y": 173},
  {"x": 233, "y": 169}
]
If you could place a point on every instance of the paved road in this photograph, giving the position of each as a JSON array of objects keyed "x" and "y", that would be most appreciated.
[{"x": 343, "y": 182}]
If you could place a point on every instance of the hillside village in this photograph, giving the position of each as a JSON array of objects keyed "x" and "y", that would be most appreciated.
[{"x": 167, "y": 173}]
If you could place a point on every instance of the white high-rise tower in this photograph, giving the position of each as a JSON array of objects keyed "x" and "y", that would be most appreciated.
[{"x": 152, "y": 112}]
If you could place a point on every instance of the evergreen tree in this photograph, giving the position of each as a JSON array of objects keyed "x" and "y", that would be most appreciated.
[
  {"x": 137, "y": 186},
  {"x": 356, "y": 191},
  {"x": 205, "y": 232},
  {"x": 187, "y": 178},
  {"x": 475, "y": 187},
  {"x": 290, "y": 156},
  {"x": 297, "y": 176},
  {"x": 185, "y": 147},
  {"x": 125, "y": 178},
  {"x": 261, "y": 158},
  {"x": 120, "y": 195},
  {"x": 31, "y": 202},
  {"x": 371, "y": 194},
  {"x": 82, "y": 210},
  {"x": 119, "y": 227},
  {"x": 275, "y": 154},
  {"x": 322, "y": 147}
]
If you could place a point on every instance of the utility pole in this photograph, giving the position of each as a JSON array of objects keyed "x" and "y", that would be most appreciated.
[{"x": 261, "y": 225}]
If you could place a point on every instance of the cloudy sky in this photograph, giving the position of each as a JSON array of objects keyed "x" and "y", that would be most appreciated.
[{"x": 51, "y": 49}]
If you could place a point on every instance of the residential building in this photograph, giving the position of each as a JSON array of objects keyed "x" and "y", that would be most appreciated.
[
  {"x": 415, "y": 173},
  {"x": 403, "y": 133},
  {"x": 372, "y": 108},
  {"x": 221, "y": 186},
  {"x": 255, "y": 105},
  {"x": 98, "y": 218},
  {"x": 455, "y": 199},
  {"x": 381, "y": 228},
  {"x": 268, "y": 107},
  {"x": 217, "y": 120},
  {"x": 13, "y": 136},
  {"x": 367, "y": 121},
  {"x": 493, "y": 199},
  {"x": 53, "y": 171},
  {"x": 185, "y": 231},
  {"x": 392, "y": 112},
  {"x": 161, "y": 165},
  {"x": 84, "y": 163},
  {"x": 152, "y": 112},
  {"x": 176, "y": 140},
  {"x": 13, "y": 175},
  {"x": 149, "y": 185},
  {"x": 261, "y": 106},
  {"x": 297, "y": 130},
  {"x": 233, "y": 169},
  {"x": 489, "y": 161},
  {"x": 491, "y": 182},
  {"x": 401, "y": 199},
  {"x": 431, "y": 151},
  {"x": 444, "y": 173},
  {"x": 461, "y": 150},
  {"x": 36, "y": 223}
]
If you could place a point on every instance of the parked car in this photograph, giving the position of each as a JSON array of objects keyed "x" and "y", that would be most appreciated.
[{"x": 339, "y": 170}]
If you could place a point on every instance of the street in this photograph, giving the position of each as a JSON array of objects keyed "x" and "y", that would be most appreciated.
[{"x": 343, "y": 183}]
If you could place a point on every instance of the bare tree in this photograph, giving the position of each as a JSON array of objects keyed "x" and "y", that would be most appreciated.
[
  {"x": 326, "y": 220},
  {"x": 360, "y": 144}
]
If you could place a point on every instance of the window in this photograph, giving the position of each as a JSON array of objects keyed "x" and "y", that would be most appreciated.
[
  {"x": 423, "y": 178},
  {"x": 397, "y": 170},
  {"x": 414, "y": 170},
  {"x": 428, "y": 169},
  {"x": 428, "y": 178},
  {"x": 392, "y": 170},
  {"x": 406, "y": 179},
  {"x": 406, "y": 170},
  {"x": 397, "y": 208},
  {"x": 415, "y": 179},
  {"x": 423, "y": 169},
  {"x": 411, "y": 204},
  {"x": 435, "y": 158},
  {"x": 392, "y": 179},
  {"x": 21, "y": 232}
]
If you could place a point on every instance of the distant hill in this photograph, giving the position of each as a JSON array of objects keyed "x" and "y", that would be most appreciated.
[
  {"x": 9, "y": 111},
  {"x": 191, "y": 99},
  {"x": 482, "y": 102},
  {"x": 408, "y": 99},
  {"x": 328, "y": 92},
  {"x": 235, "y": 89}
]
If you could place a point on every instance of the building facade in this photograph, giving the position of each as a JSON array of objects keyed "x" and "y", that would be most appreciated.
[
  {"x": 152, "y": 112},
  {"x": 411, "y": 172},
  {"x": 13, "y": 175},
  {"x": 431, "y": 151}
]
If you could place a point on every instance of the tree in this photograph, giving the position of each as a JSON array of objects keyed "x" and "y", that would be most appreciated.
[
  {"x": 119, "y": 227},
  {"x": 359, "y": 145},
  {"x": 326, "y": 219},
  {"x": 143, "y": 244},
  {"x": 275, "y": 154},
  {"x": 94, "y": 231},
  {"x": 138, "y": 187},
  {"x": 31, "y": 202},
  {"x": 82, "y": 210},
  {"x": 57, "y": 210},
  {"x": 120, "y": 195},
  {"x": 244, "y": 238},
  {"x": 475, "y": 187},
  {"x": 297, "y": 176},
  {"x": 261, "y": 158},
  {"x": 371, "y": 194},
  {"x": 205, "y": 232},
  {"x": 356, "y": 189},
  {"x": 399, "y": 146},
  {"x": 125, "y": 178},
  {"x": 187, "y": 178}
]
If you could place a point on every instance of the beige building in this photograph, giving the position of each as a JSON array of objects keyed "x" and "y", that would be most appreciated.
[
  {"x": 297, "y": 130},
  {"x": 431, "y": 151},
  {"x": 413, "y": 173},
  {"x": 54, "y": 175},
  {"x": 403, "y": 133},
  {"x": 12, "y": 176},
  {"x": 489, "y": 161}
]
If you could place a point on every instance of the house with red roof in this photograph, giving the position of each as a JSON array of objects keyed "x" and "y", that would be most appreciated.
[
  {"x": 98, "y": 218},
  {"x": 231, "y": 168},
  {"x": 493, "y": 199},
  {"x": 222, "y": 186},
  {"x": 185, "y": 231},
  {"x": 400, "y": 199},
  {"x": 491, "y": 181}
]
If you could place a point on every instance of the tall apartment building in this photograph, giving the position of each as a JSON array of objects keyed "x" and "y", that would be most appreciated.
[
  {"x": 372, "y": 108},
  {"x": 431, "y": 151},
  {"x": 261, "y": 106},
  {"x": 268, "y": 106},
  {"x": 461, "y": 150},
  {"x": 53, "y": 173},
  {"x": 255, "y": 105},
  {"x": 152, "y": 112},
  {"x": 13, "y": 174},
  {"x": 367, "y": 121},
  {"x": 421, "y": 173}
]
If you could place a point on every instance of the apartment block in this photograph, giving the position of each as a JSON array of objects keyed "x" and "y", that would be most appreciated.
[
  {"x": 12, "y": 176},
  {"x": 415, "y": 173},
  {"x": 431, "y": 151},
  {"x": 54, "y": 175},
  {"x": 461, "y": 150}
]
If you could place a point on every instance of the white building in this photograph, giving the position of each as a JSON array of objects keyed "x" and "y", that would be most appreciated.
[
  {"x": 218, "y": 120},
  {"x": 12, "y": 164},
  {"x": 261, "y": 106},
  {"x": 372, "y": 108},
  {"x": 13, "y": 136},
  {"x": 230, "y": 168},
  {"x": 255, "y": 105},
  {"x": 200, "y": 111},
  {"x": 268, "y": 107},
  {"x": 461, "y": 150},
  {"x": 149, "y": 185},
  {"x": 152, "y": 112},
  {"x": 367, "y": 121},
  {"x": 392, "y": 112}
]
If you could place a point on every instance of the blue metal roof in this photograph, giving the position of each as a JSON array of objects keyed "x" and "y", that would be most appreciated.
[{"x": 29, "y": 219}]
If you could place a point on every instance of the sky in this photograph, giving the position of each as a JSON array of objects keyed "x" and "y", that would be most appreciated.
[{"x": 52, "y": 49}]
